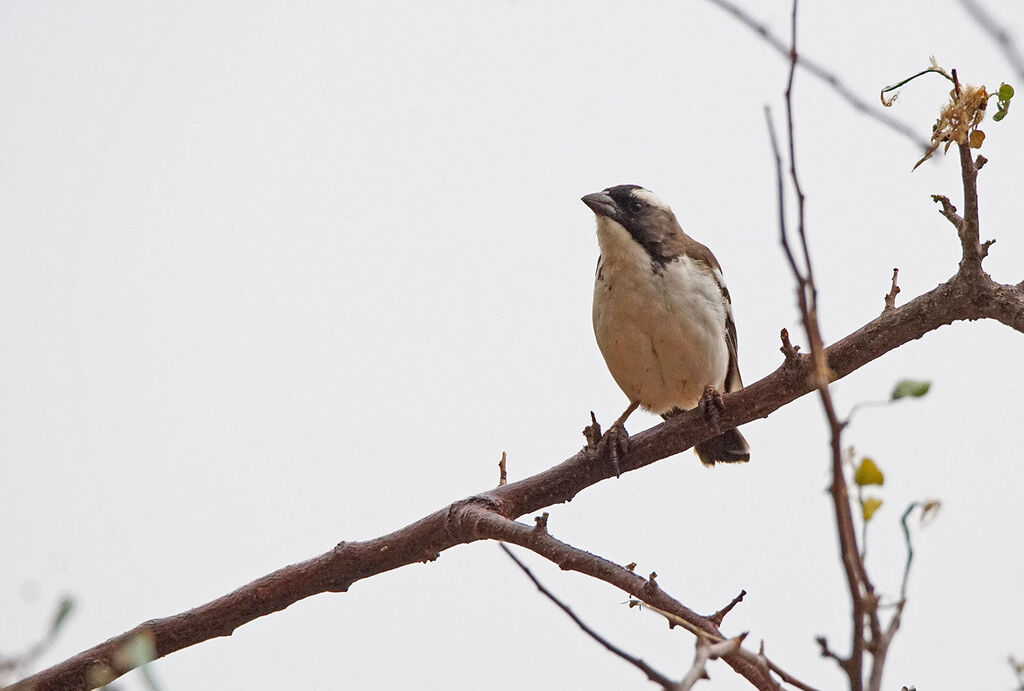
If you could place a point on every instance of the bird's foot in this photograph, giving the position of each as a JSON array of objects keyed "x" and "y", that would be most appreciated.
[
  {"x": 712, "y": 406},
  {"x": 614, "y": 443}
]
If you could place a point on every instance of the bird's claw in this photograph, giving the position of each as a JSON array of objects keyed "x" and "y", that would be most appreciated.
[{"x": 614, "y": 444}]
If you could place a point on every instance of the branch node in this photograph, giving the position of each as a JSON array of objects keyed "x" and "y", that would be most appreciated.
[
  {"x": 541, "y": 523},
  {"x": 592, "y": 432},
  {"x": 890, "y": 297},
  {"x": 979, "y": 162},
  {"x": 502, "y": 471},
  {"x": 984, "y": 247},
  {"x": 790, "y": 351},
  {"x": 827, "y": 652}
]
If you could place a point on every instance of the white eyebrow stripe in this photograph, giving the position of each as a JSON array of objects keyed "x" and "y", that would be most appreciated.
[{"x": 649, "y": 197}]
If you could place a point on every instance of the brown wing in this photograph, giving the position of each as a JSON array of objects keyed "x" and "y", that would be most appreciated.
[{"x": 733, "y": 382}]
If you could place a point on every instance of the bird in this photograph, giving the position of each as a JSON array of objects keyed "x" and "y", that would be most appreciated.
[{"x": 662, "y": 314}]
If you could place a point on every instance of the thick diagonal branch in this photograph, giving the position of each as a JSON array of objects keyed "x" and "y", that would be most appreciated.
[{"x": 960, "y": 298}]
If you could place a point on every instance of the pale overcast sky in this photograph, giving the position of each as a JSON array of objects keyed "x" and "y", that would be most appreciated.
[{"x": 275, "y": 275}]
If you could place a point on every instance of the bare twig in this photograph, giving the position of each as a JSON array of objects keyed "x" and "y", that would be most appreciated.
[
  {"x": 949, "y": 211},
  {"x": 890, "y": 297},
  {"x": 485, "y": 523},
  {"x": 718, "y": 616},
  {"x": 788, "y": 349},
  {"x": 969, "y": 230},
  {"x": 858, "y": 583},
  {"x": 706, "y": 650},
  {"x": 502, "y": 470},
  {"x": 822, "y": 73},
  {"x": 652, "y": 674},
  {"x": 1002, "y": 37}
]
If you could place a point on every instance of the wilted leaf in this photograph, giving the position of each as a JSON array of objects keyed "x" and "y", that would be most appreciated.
[
  {"x": 869, "y": 506},
  {"x": 911, "y": 388},
  {"x": 868, "y": 473},
  {"x": 977, "y": 139},
  {"x": 929, "y": 510}
]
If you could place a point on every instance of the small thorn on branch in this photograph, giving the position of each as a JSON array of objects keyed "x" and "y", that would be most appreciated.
[
  {"x": 541, "y": 522},
  {"x": 790, "y": 351},
  {"x": 718, "y": 616},
  {"x": 503, "y": 474},
  {"x": 890, "y": 297},
  {"x": 984, "y": 247}
]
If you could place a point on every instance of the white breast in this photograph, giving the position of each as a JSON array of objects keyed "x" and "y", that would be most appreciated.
[{"x": 662, "y": 333}]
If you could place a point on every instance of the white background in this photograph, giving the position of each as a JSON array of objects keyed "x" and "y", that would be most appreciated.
[{"x": 274, "y": 275}]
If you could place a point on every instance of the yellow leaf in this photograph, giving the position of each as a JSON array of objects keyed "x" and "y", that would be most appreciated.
[
  {"x": 868, "y": 473},
  {"x": 869, "y": 506},
  {"x": 977, "y": 137}
]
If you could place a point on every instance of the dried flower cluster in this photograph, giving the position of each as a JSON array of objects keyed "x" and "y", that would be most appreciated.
[{"x": 959, "y": 119}]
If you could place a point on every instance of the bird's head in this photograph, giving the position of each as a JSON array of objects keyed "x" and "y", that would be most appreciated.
[{"x": 640, "y": 214}]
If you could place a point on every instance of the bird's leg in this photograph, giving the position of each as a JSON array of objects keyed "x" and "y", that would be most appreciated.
[
  {"x": 712, "y": 406},
  {"x": 615, "y": 441}
]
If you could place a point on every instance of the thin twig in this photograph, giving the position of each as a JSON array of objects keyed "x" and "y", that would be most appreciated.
[
  {"x": 1002, "y": 37},
  {"x": 858, "y": 584},
  {"x": 890, "y": 297},
  {"x": 707, "y": 651},
  {"x": 652, "y": 674},
  {"x": 718, "y": 616},
  {"x": 486, "y": 524},
  {"x": 910, "y": 548},
  {"x": 822, "y": 73}
]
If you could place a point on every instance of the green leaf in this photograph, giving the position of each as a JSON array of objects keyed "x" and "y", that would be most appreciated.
[
  {"x": 1000, "y": 114},
  {"x": 60, "y": 616},
  {"x": 868, "y": 473},
  {"x": 1005, "y": 92},
  {"x": 911, "y": 388},
  {"x": 869, "y": 506}
]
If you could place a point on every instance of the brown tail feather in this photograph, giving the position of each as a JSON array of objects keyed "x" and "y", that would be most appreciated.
[{"x": 728, "y": 447}]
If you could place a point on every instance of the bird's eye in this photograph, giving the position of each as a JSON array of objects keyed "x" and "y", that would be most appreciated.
[{"x": 636, "y": 206}]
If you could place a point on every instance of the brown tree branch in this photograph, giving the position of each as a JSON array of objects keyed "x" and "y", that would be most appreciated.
[
  {"x": 1001, "y": 36},
  {"x": 970, "y": 294},
  {"x": 963, "y": 297},
  {"x": 822, "y": 73},
  {"x": 482, "y": 523},
  {"x": 969, "y": 230},
  {"x": 652, "y": 674},
  {"x": 858, "y": 583}
]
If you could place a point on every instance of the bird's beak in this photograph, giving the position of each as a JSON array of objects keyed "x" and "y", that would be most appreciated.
[{"x": 601, "y": 204}]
